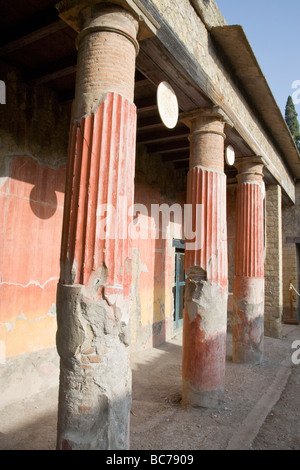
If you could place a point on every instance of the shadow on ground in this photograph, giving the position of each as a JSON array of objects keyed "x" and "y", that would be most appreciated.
[{"x": 158, "y": 420}]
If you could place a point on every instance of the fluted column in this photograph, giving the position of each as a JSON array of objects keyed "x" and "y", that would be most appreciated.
[
  {"x": 205, "y": 311},
  {"x": 93, "y": 304},
  {"x": 248, "y": 314}
]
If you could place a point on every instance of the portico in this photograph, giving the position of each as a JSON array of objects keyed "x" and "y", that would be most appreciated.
[
  {"x": 115, "y": 295},
  {"x": 93, "y": 299}
]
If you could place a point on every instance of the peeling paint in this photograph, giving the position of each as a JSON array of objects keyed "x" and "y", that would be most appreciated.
[
  {"x": 10, "y": 326},
  {"x": 206, "y": 300},
  {"x": 30, "y": 283}
]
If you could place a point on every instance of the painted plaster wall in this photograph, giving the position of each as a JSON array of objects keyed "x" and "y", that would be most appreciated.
[
  {"x": 31, "y": 201},
  {"x": 34, "y": 130},
  {"x": 33, "y": 148},
  {"x": 33, "y": 144},
  {"x": 32, "y": 205},
  {"x": 153, "y": 276},
  {"x": 154, "y": 257}
]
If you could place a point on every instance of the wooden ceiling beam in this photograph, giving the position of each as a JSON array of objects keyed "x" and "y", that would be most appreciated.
[
  {"x": 176, "y": 156},
  {"x": 177, "y": 145},
  {"x": 54, "y": 75},
  {"x": 150, "y": 123},
  {"x": 142, "y": 83},
  {"x": 32, "y": 37},
  {"x": 161, "y": 136},
  {"x": 145, "y": 105},
  {"x": 183, "y": 165}
]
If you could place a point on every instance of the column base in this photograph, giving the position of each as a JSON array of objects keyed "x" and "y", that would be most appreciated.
[
  {"x": 248, "y": 321},
  {"x": 95, "y": 375},
  {"x": 247, "y": 354},
  {"x": 201, "y": 398},
  {"x": 204, "y": 343}
]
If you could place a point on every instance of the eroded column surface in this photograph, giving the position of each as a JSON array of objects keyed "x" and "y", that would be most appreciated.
[
  {"x": 206, "y": 266},
  {"x": 93, "y": 298},
  {"x": 248, "y": 309}
]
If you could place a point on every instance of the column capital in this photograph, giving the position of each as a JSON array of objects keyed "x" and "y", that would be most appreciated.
[
  {"x": 70, "y": 12},
  {"x": 207, "y": 137},
  {"x": 214, "y": 113},
  {"x": 250, "y": 169},
  {"x": 107, "y": 48},
  {"x": 103, "y": 18}
]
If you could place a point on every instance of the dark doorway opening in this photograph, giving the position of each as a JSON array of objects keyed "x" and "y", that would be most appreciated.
[{"x": 179, "y": 286}]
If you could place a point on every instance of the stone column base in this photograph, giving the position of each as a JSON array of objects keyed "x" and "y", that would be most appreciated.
[
  {"x": 202, "y": 399},
  {"x": 95, "y": 375},
  {"x": 248, "y": 320}
]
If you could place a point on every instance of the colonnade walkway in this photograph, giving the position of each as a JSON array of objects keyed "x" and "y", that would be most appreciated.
[{"x": 260, "y": 411}]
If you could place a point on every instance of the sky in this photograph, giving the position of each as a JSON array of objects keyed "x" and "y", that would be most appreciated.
[{"x": 273, "y": 31}]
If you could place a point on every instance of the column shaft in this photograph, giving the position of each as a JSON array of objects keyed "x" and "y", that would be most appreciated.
[
  {"x": 93, "y": 305},
  {"x": 205, "y": 311},
  {"x": 248, "y": 315},
  {"x": 99, "y": 193}
]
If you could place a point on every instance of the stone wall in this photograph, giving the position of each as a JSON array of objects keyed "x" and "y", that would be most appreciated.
[
  {"x": 32, "y": 121},
  {"x": 273, "y": 261},
  {"x": 291, "y": 255}
]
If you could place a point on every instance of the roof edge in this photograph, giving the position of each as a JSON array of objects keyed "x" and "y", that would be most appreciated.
[
  {"x": 233, "y": 42},
  {"x": 209, "y": 13}
]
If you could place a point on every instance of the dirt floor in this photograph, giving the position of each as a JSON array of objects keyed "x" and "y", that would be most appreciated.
[{"x": 260, "y": 411}]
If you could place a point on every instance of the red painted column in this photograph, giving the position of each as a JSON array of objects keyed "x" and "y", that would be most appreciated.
[
  {"x": 248, "y": 317},
  {"x": 99, "y": 194},
  {"x": 93, "y": 302},
  {"x": 206, "y": 266}
]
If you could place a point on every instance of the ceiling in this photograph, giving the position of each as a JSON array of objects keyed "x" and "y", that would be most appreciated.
[{"x": 39, "y": 44}]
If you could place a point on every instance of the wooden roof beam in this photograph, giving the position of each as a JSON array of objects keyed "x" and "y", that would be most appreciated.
[
  {"x": 32, "y": 37},
  {"x": 54, "y": 75}
]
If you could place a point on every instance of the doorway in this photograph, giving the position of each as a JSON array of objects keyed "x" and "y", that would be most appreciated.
[{"x": 179, "y": 286}]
